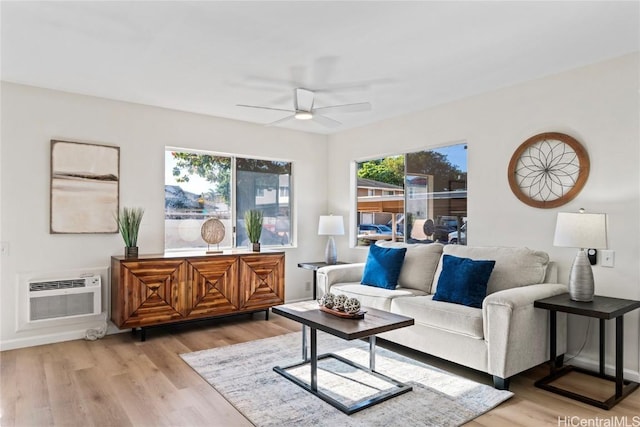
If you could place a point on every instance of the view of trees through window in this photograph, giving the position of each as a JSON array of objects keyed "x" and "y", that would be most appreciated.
[
  {"x": 418, "y": 197},
  {"x": 199, "y": 186}
]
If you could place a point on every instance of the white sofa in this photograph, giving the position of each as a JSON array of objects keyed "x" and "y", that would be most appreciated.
[{"x": 504, "y": 337}]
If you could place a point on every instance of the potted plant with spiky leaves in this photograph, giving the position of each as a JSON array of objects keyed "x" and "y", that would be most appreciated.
[
  {"x": 129, "y": 225},
  {"x": 253, "y": 223}
]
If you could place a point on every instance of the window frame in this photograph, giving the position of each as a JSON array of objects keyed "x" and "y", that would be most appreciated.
[
  {"x": 233, "y": 216},
  {"x": 353, "y": 191}
]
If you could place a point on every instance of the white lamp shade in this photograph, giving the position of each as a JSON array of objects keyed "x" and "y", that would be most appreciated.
[
  {"x": 581, "y": 230},
  {"x": 331, "y": 225}
]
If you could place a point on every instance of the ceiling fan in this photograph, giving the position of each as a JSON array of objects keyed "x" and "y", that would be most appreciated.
[{"x": 303, "y": 109}]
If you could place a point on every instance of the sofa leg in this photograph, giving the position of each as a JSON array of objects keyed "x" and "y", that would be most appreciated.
[
  {"x": 559, "y": 361},
  {"x": 500, "y": 383}
]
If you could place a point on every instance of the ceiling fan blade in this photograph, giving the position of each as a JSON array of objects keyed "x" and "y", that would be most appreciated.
[
  {"x": 346, "y": 108},
  {"x": 303, "y": 99},
  {"x": 264, "y": 108},
  {"x": 359, "y": 86},
  {"x": 283, "y": 120},
  {"x": 268, "y": 83},
  {"x": 323, "y": 70},
  {"x": 326, "y": 121},
  {"x": 283, "y": 99},
  {"x": 298, "y": 75}
]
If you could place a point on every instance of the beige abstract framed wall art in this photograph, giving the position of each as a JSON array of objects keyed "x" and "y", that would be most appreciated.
[{"x": 85, "y": 187}]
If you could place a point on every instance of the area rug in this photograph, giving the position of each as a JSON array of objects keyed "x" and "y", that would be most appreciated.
[{"x": 243, "y": 374}]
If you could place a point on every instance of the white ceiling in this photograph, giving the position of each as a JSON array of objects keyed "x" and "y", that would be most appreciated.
[{"x": 206, "y": 57}]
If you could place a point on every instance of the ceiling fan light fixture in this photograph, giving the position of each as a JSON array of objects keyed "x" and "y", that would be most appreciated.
[{"x": 303, "y": 115}]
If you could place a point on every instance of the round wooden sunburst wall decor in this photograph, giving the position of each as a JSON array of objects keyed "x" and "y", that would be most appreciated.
[{"x": 548, "y": 170}]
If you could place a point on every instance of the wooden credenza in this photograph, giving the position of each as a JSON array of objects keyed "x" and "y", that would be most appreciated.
[{"x": 156, "y": 290}]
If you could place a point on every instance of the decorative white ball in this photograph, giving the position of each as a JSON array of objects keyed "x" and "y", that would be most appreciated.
[
  {"x": 338, "y": 302},
  {"x": 352, "y": 306},
  {"x": 327, "y": 300}
]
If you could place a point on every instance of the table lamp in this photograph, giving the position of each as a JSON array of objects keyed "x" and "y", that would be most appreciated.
[
  {"x": 331, "y": 225},
  {"x": 584, "y": 231}
]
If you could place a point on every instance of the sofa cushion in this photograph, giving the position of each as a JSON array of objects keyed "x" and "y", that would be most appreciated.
[
  {"x": 442, "y": 315},
  {"x": 370, "y": 296},
  {"x": 383, "y": 267},
  {"x": 420, "y": 263},
  {"x": 463, "y": 281},
  {"x": 514, "y": 267}
]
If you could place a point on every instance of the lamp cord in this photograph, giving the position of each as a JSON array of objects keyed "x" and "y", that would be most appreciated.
[{"x": 586, "y": 336}]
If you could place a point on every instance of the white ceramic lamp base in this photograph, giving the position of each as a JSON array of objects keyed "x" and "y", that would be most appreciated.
[
  {"x": 581, "y": 287},
  {"x": 331, "y": 253}
]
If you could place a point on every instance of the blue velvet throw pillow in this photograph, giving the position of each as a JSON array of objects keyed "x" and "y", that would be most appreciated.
[
  {"x": 463, "y": 281},
  {"x": 383, "y": 265}
]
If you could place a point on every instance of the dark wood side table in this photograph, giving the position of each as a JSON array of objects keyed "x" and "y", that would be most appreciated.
[
  {"x": 602, "y": 308},
  {"x": 315, "y": 266}
]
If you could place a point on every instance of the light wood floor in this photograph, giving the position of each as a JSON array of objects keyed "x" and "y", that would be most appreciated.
[{"x": 119, "y": 381}]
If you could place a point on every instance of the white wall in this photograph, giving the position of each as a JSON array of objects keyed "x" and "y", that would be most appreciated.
[
  {"x": 31, "y": 117},
  {"x": 598, "y": 105}
]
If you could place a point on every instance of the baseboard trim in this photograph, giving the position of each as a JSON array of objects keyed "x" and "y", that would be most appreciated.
[
  {"x": 78, "y": 334},
  {"x": 42, "y": 340},
  {"x": 291, "y": 301},
  {"x": 594, "y": 365}
]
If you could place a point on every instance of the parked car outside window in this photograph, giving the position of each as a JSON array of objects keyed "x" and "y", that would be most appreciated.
[
  {"x": 455, "y": 237},
  {"x": 399, "y": 223},
  {"x": 375, "y": 228}
]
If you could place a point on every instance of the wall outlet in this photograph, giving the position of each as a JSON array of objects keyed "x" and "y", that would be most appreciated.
[
  {"x": 307, "y": 286},
  {"x": 4, "y": 248},
  {"x": 607, "y": 258}
]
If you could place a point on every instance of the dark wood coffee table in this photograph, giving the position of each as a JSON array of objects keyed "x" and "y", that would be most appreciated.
[{"x": 374, "y": 322}]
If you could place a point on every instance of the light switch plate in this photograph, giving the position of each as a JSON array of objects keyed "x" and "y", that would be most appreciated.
[{"x": 607, "y": 258}]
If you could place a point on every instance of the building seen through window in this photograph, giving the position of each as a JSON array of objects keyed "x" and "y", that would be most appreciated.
[{"x": 418, "y": 197}]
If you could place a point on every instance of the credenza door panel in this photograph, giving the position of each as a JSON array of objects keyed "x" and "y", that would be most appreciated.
[
  {"x": 214, "y": 285},
  {"x": 153, "y": 292},
  {"x": 261, "y": 281}
]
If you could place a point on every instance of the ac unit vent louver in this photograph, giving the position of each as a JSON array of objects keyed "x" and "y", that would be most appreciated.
[{"x": 57, "y": 284}]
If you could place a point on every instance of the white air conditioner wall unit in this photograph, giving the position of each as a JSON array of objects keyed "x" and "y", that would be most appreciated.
[{"x": 64, "y": 298}]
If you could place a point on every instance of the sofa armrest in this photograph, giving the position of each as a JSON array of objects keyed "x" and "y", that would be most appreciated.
[
  {"x": 516, "y": 332},
  {"x": 552, "y": 273},
  {"x": 342, "y": 273}
]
